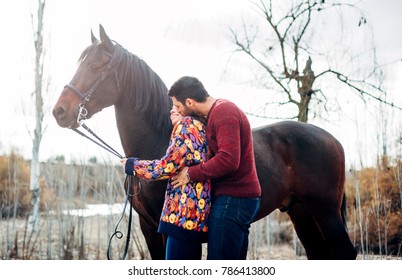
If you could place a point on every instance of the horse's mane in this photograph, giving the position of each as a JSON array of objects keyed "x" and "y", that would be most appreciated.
[{"x": 143, "y": 88}]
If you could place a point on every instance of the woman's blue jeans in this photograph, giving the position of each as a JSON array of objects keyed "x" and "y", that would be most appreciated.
[
  {"x": 228, "y": 227},
  {"x": 180, "y": 250}
]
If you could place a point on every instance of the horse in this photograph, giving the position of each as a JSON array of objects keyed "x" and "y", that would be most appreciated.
[{"x": 301, "y": 167}]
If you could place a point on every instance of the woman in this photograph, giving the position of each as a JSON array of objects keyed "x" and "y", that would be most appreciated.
[{"x": 186, "y": 209}]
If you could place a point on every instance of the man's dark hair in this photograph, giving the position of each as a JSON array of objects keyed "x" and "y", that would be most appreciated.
[{"x": 188, "y": 87}]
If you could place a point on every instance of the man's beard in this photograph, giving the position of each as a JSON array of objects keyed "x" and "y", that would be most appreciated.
[{"x": 192, "y": 113}]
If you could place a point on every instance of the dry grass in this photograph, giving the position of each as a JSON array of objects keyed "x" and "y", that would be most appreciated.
[
  {"x": 374, "y": 211},
  {"x": 87, "y": 239}
]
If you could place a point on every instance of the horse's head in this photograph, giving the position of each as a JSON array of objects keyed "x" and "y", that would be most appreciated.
[{"x": 94, "y": 86}]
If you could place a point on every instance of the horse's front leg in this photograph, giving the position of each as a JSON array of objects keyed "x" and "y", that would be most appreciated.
[{"x": 155, "y": 241}]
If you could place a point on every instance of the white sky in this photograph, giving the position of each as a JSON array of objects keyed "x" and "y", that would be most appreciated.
[{"x": 176, "y": 38}]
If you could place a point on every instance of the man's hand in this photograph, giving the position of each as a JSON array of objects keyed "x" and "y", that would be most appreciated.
[{"x": 181, "y": 178}]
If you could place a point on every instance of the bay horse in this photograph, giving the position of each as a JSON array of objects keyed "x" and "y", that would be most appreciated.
[{"x": 301, "y": 167}]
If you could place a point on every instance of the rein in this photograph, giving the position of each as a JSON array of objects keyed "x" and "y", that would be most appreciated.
[
  {"x": 82, "y": 113},
  {"x": 117, "y": 233},
  {"x": 101, "y": 143},
  {"x": 128, "y": 182}
]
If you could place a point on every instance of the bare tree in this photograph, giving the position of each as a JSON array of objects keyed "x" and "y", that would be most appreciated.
[
  {"x": 296, "y": 33},
  {"x": 38, "y": 28}
]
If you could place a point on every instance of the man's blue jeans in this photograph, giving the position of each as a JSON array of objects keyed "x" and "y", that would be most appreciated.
[{"x": 228, "y": 227}]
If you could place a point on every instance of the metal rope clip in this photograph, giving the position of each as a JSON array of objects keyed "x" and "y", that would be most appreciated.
[{"x": 82, "y": 113}]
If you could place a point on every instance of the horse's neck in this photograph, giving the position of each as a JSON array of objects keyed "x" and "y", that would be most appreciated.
[{"x": 137, "y": 135}]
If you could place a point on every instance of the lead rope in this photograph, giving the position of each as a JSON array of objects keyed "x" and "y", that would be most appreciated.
[
  {"x": 128, "y": 181},
  {"x": 117, "y": 233}
]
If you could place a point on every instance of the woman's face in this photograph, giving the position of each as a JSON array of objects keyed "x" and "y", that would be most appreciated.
[{"x": 175, "y": 117}]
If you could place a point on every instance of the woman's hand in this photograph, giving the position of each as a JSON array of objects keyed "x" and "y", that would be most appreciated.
[
  {"x": 123, "y": 162},
  {"x": 128, "y": 165}
]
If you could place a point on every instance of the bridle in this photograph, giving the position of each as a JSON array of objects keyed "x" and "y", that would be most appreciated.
[
  {"x": 82, "y": 114},
  {"x": 85, "y": 97}
]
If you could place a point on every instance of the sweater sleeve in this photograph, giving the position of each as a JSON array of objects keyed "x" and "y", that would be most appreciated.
[
  {"x": 227, "y": 158},
  {"x": 168, "y": 165}
]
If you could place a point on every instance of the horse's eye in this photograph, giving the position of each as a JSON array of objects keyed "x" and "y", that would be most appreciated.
[{"x": 94, "y": 66}]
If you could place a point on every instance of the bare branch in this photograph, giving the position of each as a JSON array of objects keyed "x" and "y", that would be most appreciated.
[
  {"x": 271, "y": 118},
  {"x": 351, "y": 83},
  {"x": 294, "y": 34}
]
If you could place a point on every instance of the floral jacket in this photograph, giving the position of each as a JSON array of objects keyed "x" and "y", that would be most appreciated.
[{"x": 186, "y": 209}]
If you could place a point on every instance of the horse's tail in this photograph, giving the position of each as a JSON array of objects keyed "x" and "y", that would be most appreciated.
[
  {"x": 342, "y": 176},
  {"x": 343, "y": 211}
]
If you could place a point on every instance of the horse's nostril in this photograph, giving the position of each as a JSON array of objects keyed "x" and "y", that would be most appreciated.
[{"x": 58, "y": 112}]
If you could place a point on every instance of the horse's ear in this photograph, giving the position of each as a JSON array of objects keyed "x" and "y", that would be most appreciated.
[
  {"x": 93, "y": 38},
  {"x": 104, "y": 38}
]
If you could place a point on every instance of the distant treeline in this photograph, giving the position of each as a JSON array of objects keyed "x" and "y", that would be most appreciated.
[{"x": 57, "y": 178}]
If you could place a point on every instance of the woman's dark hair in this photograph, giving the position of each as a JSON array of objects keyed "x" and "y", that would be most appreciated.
[{"x": 188, "y": 87}]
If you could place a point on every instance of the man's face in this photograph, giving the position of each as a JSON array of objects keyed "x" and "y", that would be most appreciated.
[{"x": 183, "y": 109}]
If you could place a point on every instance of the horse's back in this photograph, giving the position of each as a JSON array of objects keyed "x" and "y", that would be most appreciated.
[
  {"x": 291, "y": 138},
  {"x": 297, "y": 161}
]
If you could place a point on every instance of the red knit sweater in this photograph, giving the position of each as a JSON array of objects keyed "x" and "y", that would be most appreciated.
[{"x": 232, "y": 167}]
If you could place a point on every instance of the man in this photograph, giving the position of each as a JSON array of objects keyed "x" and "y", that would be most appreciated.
[{"x": 235, "y": 187}]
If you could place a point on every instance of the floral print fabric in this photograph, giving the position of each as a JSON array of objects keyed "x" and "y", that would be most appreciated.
[{"x": 186, "y": 207}]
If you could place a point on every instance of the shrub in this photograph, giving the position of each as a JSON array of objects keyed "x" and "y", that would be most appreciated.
[
  {"x": 374, "y": 209},
  {"x": 15, "y": 196}
]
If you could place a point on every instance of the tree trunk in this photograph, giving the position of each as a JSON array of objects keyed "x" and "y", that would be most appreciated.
[
  {"x": 303, "y": 108},
  {"x": 34, "y": 187},
  {"x": 305, "y": 89}
]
